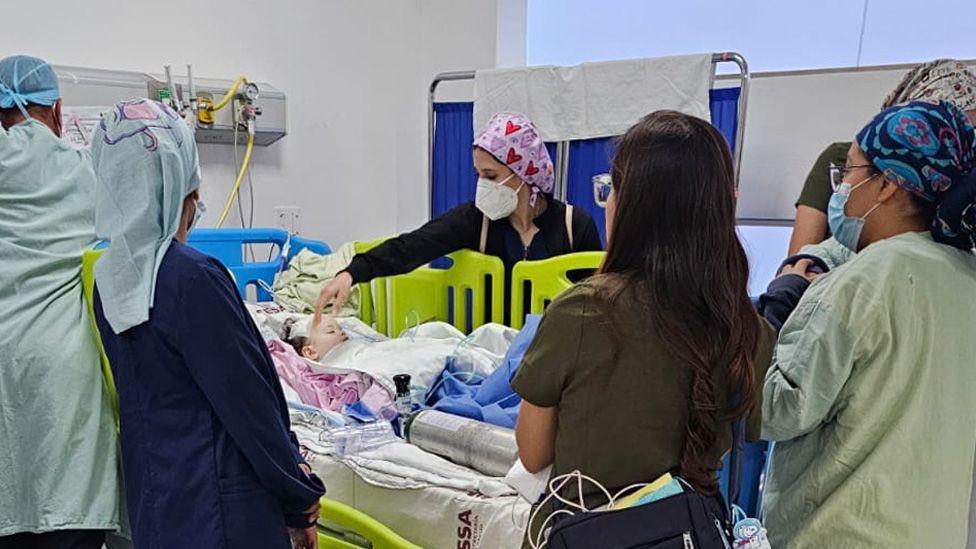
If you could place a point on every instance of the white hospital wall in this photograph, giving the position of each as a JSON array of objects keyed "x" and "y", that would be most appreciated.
[
  {"x": 791, "y": 118},
  {"x": 774, "y": 35},
  {"x": 355, "y": 73}
]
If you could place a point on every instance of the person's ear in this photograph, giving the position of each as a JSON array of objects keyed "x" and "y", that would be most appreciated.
[
  {"x": 310, "y": 353},
  {"x": 186, "y": 218},
  {"x": 888, "y": 189},
  {"x": 56, "y": 123}
]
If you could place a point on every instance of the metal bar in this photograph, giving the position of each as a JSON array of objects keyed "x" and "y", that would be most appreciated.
[
  {"x": 431, "y": 96},
  {"x": 740, "y": 129},
  {"x": 562, "y": 159},
  {"x": 562, "y": 172},
  {"x": 763, "y": 222},
  {"x": 847, "y": 70}
]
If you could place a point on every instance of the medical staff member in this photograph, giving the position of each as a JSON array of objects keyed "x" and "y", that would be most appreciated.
[
  {"x": 939, "y": 80},
  {"x": 513, "y": 216},
  {"x": 870, "y": 395},
  {"x": 59, "y": 485},
  {"x": 633, "y": 372},
  {"x": 208, "y": 457}
]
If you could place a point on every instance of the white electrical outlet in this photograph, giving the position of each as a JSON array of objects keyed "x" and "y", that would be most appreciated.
[{"x": 289, "y": 218}]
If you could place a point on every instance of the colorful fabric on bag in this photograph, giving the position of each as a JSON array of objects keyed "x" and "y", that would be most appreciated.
[
  {"x": 939, "y": 80},
  {"x": 515, "y": 142},
  {"x": 929, "y": 149}
]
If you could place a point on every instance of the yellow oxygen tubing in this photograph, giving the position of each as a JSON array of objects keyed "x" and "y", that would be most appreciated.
[
  {"x": 230, "y": 93},
  {"x": 237, "y": 184}
]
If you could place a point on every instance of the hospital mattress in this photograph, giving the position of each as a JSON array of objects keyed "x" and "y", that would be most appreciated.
[{"x": 433, "y": 516}]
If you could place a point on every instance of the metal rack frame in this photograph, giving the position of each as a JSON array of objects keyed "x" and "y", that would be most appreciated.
[{"x": 561, "y": 162}]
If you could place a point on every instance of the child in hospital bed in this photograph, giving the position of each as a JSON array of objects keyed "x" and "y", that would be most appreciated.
[{"x": 422, "y": 352}]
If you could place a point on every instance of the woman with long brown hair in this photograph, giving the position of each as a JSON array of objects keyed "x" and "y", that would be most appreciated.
[{"x": 641, "y": 369}]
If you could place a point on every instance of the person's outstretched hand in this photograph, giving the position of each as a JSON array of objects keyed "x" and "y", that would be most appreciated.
[{"x": 336, "y": 291}]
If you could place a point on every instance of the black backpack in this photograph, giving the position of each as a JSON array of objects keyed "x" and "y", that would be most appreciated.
[{"x": 689, "y": 520}]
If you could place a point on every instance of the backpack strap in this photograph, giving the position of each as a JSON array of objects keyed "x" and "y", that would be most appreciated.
[
  {"x": 736, "y": 458},
  {"x": 569, "y": 225},
  {"x": 483, "y": 243}
]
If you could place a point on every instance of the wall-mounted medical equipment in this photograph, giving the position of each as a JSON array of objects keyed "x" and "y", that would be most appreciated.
[
  {"x": 259, "y": 103},
  {"x": 221, "y": 113}
]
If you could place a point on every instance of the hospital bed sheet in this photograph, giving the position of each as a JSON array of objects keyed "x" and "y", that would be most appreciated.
[{"x": 431, "y": 517}]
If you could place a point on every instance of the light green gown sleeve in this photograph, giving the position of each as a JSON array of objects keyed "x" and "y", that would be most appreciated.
[
  {"x": 832, "y": 252},
  {"x": 811, "y": 364}
]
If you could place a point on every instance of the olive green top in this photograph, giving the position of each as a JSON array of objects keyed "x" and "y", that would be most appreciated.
[
  {"x": 816, "y": 189},
  {"x": 623, "y": 400}
]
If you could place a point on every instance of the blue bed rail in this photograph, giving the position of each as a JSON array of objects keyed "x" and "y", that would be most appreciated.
[{"x": 227, "y": 246}]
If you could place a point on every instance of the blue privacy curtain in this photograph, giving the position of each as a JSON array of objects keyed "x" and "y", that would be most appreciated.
[
  {"x": 453, "y": 170},
  {"x": 592, "y": 156}
]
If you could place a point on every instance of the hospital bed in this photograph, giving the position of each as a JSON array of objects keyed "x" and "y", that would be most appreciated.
[
  {"x": 457, "y": 295},
  {"x": 230, "y": 246},
  {"x": 431, "y": 516},
  {"x": 483, "y": 521}
]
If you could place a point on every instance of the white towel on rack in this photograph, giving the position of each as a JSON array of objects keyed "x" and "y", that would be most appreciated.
[{"x": 595, "y": 99}]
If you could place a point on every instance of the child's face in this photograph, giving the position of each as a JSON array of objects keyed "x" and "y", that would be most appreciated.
[{"x": 323, "y": 337}]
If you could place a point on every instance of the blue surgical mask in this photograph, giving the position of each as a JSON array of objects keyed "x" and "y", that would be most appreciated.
[{"x": 846, "y": 230}]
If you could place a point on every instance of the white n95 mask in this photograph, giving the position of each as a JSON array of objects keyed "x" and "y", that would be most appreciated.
[{"x": 495, "y": 200}]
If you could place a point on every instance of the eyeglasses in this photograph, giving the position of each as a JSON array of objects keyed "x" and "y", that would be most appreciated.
[
  {"x": 838, "y": 173},
  {"x": 602, "y": 187}
]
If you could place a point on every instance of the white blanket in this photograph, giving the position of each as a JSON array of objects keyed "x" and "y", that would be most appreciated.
[
  {"x": 271, "y": 318},
  {"x": 421, "y": 352},
  {"x": 398, "y": 465},
  {"x": 401, "y": 465},
  {"x": 431, "y": 516},
  {"x": 595, "y": 99}
]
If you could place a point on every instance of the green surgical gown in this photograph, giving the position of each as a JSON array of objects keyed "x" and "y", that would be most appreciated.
[
  {"x": 870, "y": 399},
  {"x": 58, "y": 465}
]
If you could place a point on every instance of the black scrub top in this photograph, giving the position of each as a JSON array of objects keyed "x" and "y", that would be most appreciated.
[{"x": 460, "y": 229}]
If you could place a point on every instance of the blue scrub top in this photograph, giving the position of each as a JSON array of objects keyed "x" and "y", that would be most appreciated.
[{"x": 208, "y": 456}]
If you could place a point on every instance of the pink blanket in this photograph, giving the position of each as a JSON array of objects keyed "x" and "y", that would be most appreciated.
[{"x": 327, "y": 391}]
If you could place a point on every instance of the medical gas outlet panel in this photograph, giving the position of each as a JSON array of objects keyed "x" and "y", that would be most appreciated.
[{"x": 245, "y": 107}]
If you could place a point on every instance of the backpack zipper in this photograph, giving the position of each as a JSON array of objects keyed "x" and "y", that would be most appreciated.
[{"x": 689, "y": 544}]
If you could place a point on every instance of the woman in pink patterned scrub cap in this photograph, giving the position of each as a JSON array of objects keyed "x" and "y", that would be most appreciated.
[{"x": 513, "y": 215}]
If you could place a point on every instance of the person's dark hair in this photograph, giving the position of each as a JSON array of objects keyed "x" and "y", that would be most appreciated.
[
  {"x": 924, "y": 209},
  {"x": 674, "y": 241},
  {"x": 13, "y": 115},
  {"x": 297, "y": 342}
]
